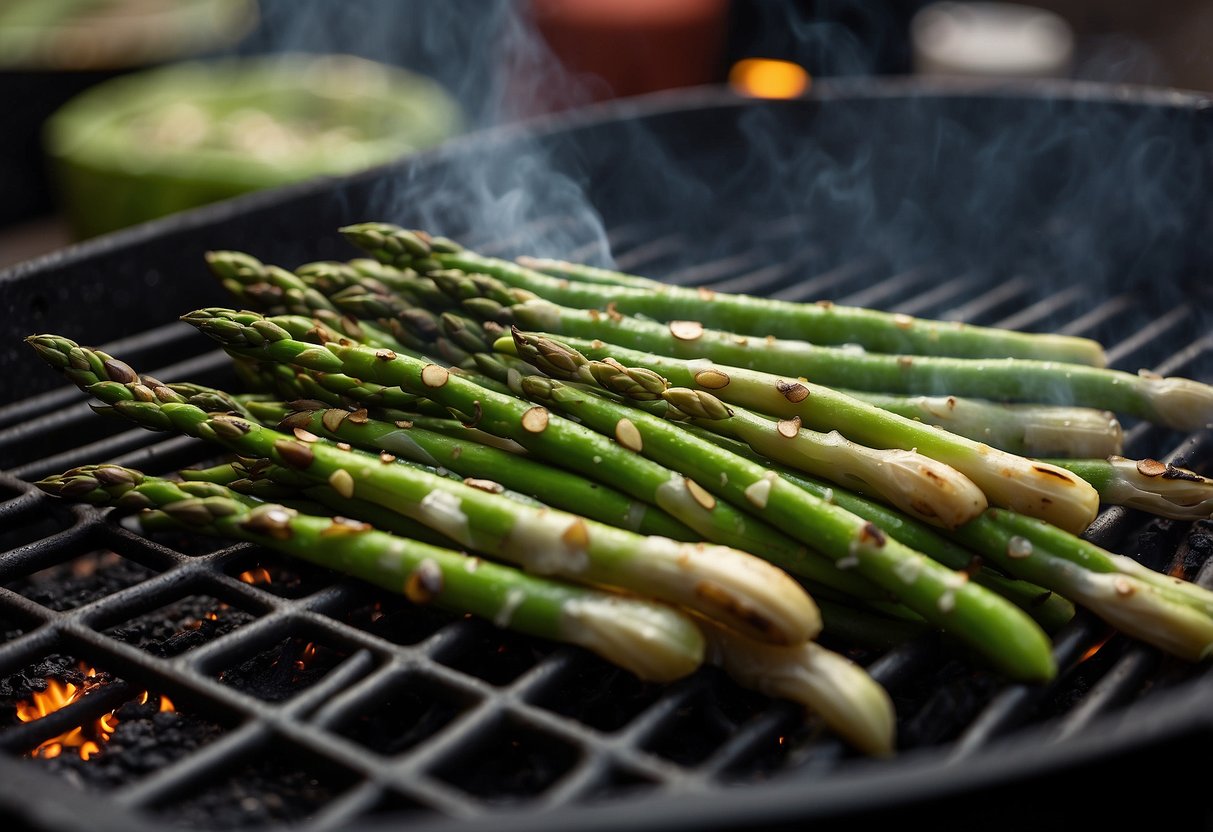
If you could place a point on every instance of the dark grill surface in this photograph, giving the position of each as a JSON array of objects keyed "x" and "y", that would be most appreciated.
[{"x": 313, "y": 699}]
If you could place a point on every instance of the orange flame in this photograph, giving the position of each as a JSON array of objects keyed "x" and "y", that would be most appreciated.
[
  {"x": 768, "y": 78},
  {"x": 309, "y": 653},
  {"x": 61, "y": 694},
  {"x": 257, "y": 575},
  {"x": 1095, "y": 648}
]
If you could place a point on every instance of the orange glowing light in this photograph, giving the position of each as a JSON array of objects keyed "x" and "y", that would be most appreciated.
[
  {"x": 309, "y": 653},
  {"x": 768, "y": 78},
  {"x": 1095, "y": 648},
  {"x": 61, "y": 694},
  {"x": 259, "y": 575}
]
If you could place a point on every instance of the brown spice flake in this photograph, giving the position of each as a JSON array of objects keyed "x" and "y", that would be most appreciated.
[
  {"x": 333, "y": 417},
  {"x": 712, "y": 379},
  {"x": 345, "y": 446},
  {"x": 385, "y": 355},
  {"x": 294, "y": 454},
  {"x": 701, "y": 494},
  {"x": 359, "y": 417},
  {"x": 905, "y": 362},
  {"x": 424, "y": 583},
  {"x": 628, "y": 435},
  {"x": 433, "y": 375},
  {"x": 793, "y": 391},
  {"x": 613, "y": 313},
  {"x": 686, "y": 330},
  {"x": 535, "y": 420},
  {"x": 344, "y": 526},
  {"x": 1151, "y": 468},
  {"x": 577, "y": 535},
  {"x": 705, "y": 293},
  {"x": 294, "y": 421},
  {"x": 342, "y": 482},
  {"x": 386, "y": 458},
  {"x": 403, "y": 424},
  {"x": 484, "y": 485},
  {"x": 871, "y": 533},
  {"x": 305, "y": 435},
  {"x": 789, "y": 428},
  {"x": 902, "y": 321}
]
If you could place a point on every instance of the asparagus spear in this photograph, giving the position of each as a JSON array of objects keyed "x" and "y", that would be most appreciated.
[
  {"x": 268, "y": 483},
  {"x": 1000, "y": 632},
  {"x": 848, "y": 700},
  {"x": 651, "y": 640},
  {"x": 553, "y": 486},
  {"x": 1038, "y": 430},
  {"x": 825, "y": 323},
  {"x": 1147, "y": 484},
  {"x": 730, "y": 585},
  {"x": 1046, "y": 607},
  {"x": 1167, "y": 612},
  {"x": 548, "y": 437},
  {"x": 1014, "y": 482},
  {"x": 1173, "y": 402}
]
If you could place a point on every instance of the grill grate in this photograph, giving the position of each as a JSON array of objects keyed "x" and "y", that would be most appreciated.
[
  {"x": 442, "y": 720},
  {"x": 435, "y": 715}
]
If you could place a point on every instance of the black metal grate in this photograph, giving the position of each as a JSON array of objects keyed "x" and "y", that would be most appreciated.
[{"x": 412, "y": 715}]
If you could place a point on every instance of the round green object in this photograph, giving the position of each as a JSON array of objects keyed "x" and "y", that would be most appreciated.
[{"x": 168, "y": 139}]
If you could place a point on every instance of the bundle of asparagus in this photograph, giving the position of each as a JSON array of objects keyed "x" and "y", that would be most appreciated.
[{"x": 574, "y": 453}]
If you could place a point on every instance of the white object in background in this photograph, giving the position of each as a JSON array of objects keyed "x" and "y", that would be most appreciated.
[{"x": 990, "y": 39}]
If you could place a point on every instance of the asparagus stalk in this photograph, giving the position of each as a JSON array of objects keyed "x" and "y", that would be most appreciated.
[
  {"x": 1146, "y": 484},
  {"x": 553, "y": 486},
  {"x": 548, "y": 437},
  {"x": 736, "y": 588},
  {"x": 1038, "y": 430},
  {"x": 916, "y": 484},
  {"x": 824, "y": 323},
  {"x": 1173, "y": 402},
  {"x": 1023, "y": 485},
  {"x": 842, "y": 693},
  {"x": 1167, "y": 612},
  {"x": 265, "y": 482},
  {"x": 651, "y": 640},
  {"x": 1050, "y": 610},
  {"x": 1000, "y": 632}
]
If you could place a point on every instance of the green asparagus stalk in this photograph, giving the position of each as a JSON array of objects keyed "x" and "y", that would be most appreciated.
[
  {"x": 849, "y": 701},
  {"x": 1173, "y": 402},
  {"x": 824, "y": 323},
  {"x": 1037, "y": 430},
  {"x": 651, "y": 640},
  {"x": 1000, "y": 632},
  {"x": 916, "y": 484},
  {"x": 548, "y": 437},
  {"x": 1023, "y": 485},
  {"x": 1167, "y": 612},
  {"x": 1050, "y": 610},
  {"x": 736, "y": 588},
  {"x": 256, "y": 478},
  {"x": 1146, "y": 484},
  {"x": 553, "y": 486}
]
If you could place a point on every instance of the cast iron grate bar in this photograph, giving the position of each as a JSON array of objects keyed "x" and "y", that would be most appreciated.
[{"x": 583, "y": 758}]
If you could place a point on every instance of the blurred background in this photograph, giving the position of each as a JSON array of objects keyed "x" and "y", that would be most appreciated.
[{"x": 119, "y": 111}]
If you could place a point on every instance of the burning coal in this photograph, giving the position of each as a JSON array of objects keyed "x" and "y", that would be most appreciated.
[{"x": 87, "y": 739}]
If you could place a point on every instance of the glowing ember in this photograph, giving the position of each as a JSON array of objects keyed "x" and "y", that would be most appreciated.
[
  {"x": 1095, "y": 648},
  {"x": 309, "y": 653},
  {"x": 259, "y": 575},
  {"x": 766, "y": 78},
  {"x": 85, "y": 739}
]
